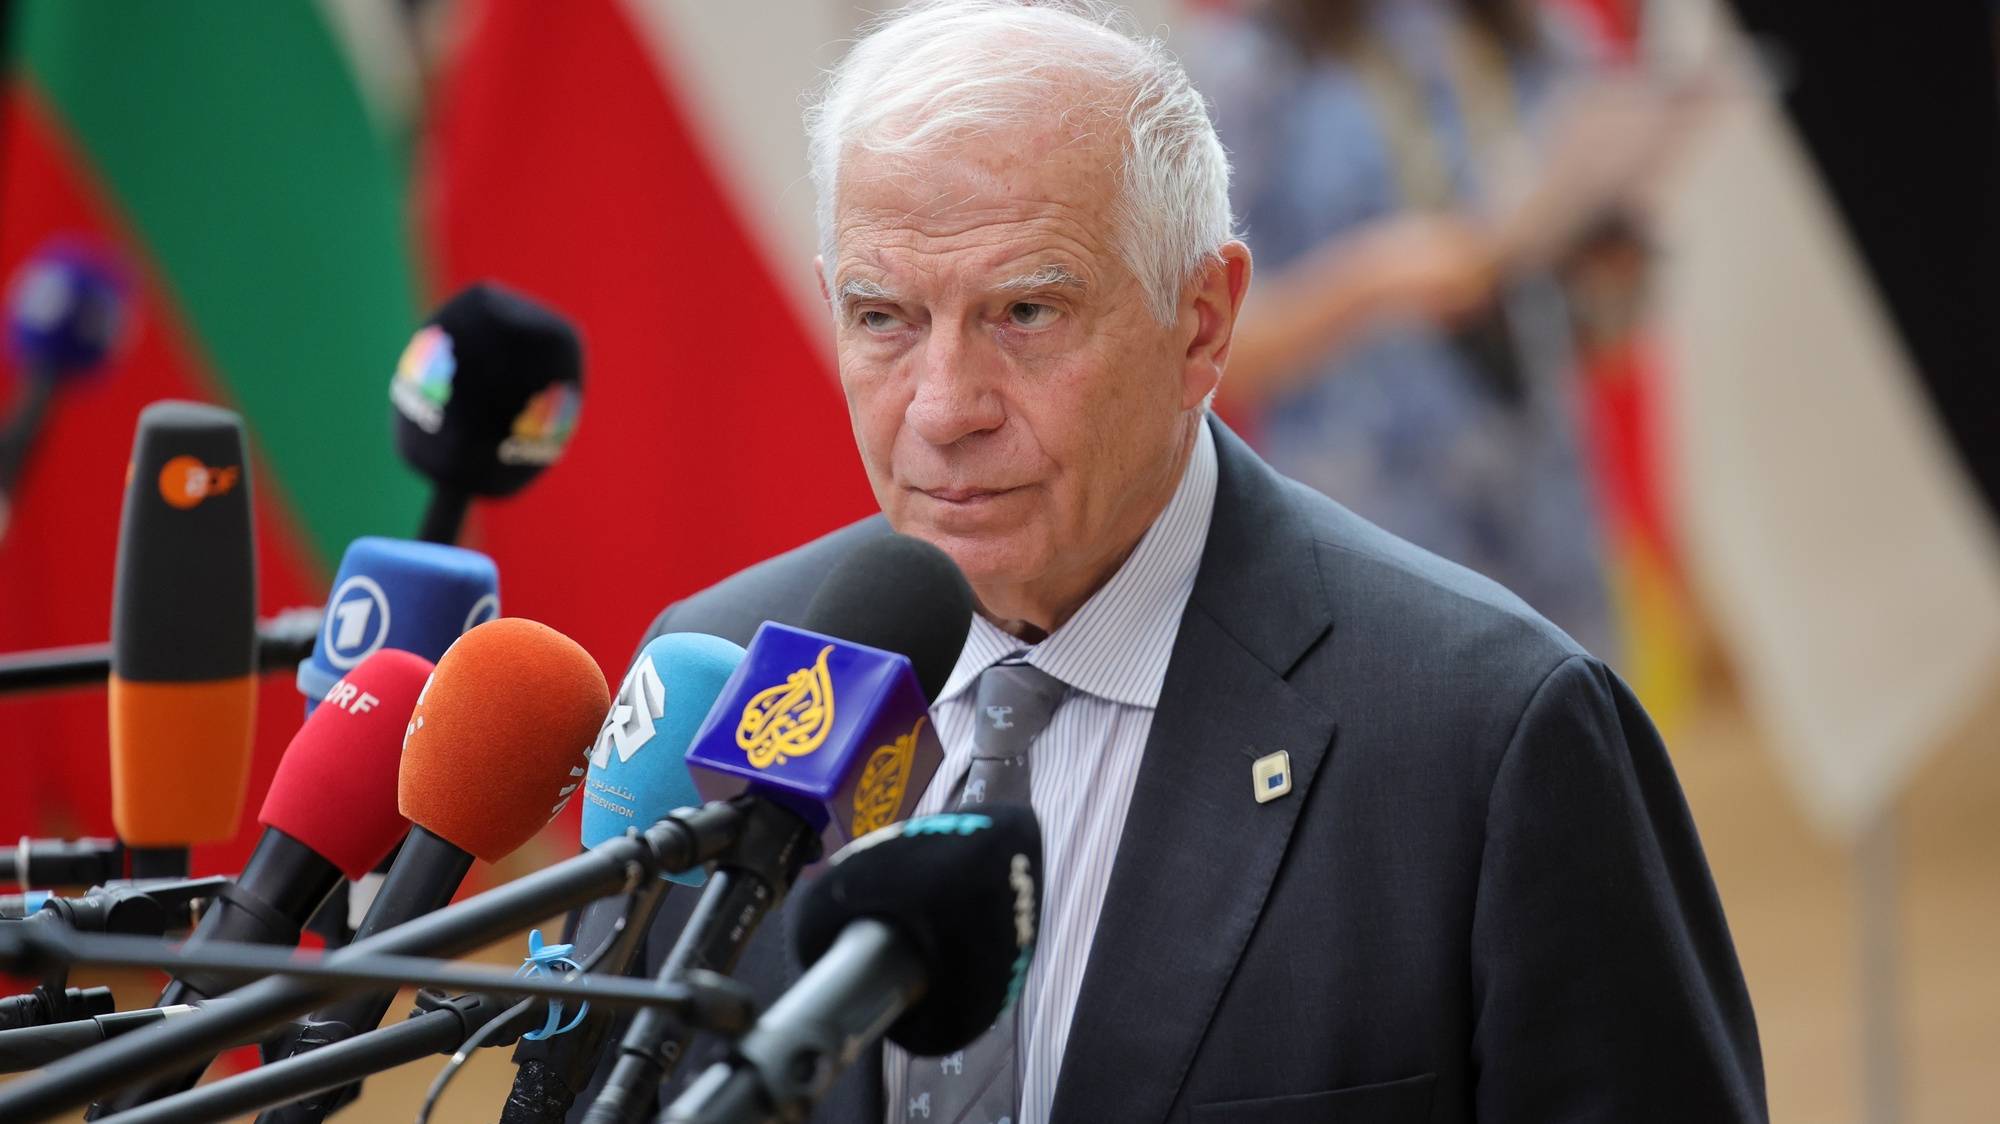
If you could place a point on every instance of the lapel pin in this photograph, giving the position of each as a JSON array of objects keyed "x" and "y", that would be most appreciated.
[{"x": 1271, "y": 776}]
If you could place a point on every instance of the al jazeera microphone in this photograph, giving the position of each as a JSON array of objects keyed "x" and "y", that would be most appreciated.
[
  {"x": 66, "y": 313},
  {"x": 497, "y": 744},
  {"x": 828, "y": 726},
  {"x": 923, "y": 932},
  {"x": 183, "y": 690},
  {"x": 485, "y": 397},
  {"x": 330, "y": 812},
  {"x": 638, "y": 775}
]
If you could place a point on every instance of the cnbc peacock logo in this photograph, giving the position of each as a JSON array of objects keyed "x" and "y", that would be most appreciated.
[
  {"x": 422, "y": 385},
  {"x": 543, "y": 427}
]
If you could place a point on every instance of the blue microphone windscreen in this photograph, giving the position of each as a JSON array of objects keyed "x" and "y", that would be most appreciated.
[
  {"x": 66, "y": 309},
  {"x": 417, "y": 597},
  {"x": 638, "y": 767}
]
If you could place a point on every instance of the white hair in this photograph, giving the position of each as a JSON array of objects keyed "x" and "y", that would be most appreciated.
[{"x": 937, "y": 72}]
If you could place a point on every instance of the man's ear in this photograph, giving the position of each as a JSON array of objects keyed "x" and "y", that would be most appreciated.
[
  {"x": 1208, "y": 313},
  {"x": 819, "y": 274}
]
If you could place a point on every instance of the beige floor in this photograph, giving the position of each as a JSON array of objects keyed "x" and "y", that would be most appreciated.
[{"x": 1791, "y": 905}]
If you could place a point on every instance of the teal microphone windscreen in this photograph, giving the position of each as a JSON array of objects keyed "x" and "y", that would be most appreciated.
[{"x": 638, "y": 766}]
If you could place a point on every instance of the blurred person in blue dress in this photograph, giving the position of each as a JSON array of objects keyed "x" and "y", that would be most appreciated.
[{"x": 1411, "y": 186}]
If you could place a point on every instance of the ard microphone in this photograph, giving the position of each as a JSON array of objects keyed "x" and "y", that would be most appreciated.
[
  {"x": 183, "y": 691},
  {"x": 922, "y": 931},
  {"x": 486, "y": 396},
  {"x": 828, "y": 726},
  {"x": 389, "y": 593},
  {"x": 498, "y": 742},
  {"x": 638, "y": 774},
  {"x": 65, "y": 316},
  {"x": 330, "y": 811}
]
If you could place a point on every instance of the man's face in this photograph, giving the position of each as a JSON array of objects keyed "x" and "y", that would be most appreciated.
[{"x": 1014, "y": 400}]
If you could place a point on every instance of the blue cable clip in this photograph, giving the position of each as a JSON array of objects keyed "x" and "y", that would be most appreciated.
[{"x": 544, "y": 959}]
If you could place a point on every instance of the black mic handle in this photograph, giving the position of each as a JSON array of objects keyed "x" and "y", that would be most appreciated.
[
  {"x": 42, "y": 863},
  {"x": 552, "y": 1071},
  {"x": 441, "y": 1028},
  {"x": 681, "y": 842},
  {"x": 444, "y": 515},
  {"x": 137, "y": 909},
  {"x": 41, "y": 1007},
  {"x": 780, "y": 1070},
  {"x": 428, "y": 869},
  {"x": 296, "y": 873},
  {"x": 18, "y": 437},
  {"x": 749, "y": 881},
  {"x": 36, "y": 1046}
]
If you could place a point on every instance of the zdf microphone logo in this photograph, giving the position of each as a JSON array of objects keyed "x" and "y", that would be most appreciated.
[{"x": 185, "y": 481}]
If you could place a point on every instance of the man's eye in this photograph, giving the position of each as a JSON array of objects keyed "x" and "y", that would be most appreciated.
[
  {"x": 876, "y": 320},
  {"x": 1028, "y": 314}
]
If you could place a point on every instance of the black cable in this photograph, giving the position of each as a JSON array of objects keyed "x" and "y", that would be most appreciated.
[{"x": 479, "y": 1037}]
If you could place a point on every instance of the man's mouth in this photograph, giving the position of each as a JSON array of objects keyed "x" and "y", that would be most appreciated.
[{"x": 965, "y": 497}]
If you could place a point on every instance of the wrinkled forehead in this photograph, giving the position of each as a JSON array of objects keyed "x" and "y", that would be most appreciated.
[{"x": 1049, "y": 181}]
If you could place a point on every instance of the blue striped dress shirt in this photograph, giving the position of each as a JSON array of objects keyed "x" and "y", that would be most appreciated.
[{"x": 1113, "y": 656}]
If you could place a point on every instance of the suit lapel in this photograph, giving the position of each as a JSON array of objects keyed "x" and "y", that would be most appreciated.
[{"x": 1198, "y": 853}]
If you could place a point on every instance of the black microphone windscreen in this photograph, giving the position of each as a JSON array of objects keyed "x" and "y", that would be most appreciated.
[
  {"x": 488, "y": 391},
  {"x": 901, "y": 595},
  {"x": 964, "y": 889}
]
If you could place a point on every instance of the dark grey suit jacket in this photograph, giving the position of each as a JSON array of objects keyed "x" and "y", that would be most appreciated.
[{"x": 1483, "y": 899}]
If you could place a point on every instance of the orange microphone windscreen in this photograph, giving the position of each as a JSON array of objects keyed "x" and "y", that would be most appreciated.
[{"x": 501, "y": 736}]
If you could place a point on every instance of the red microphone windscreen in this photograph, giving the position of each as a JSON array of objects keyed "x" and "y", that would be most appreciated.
[
  {"x": 335, "y": 788},
  {"x": 501, "y": 736}
]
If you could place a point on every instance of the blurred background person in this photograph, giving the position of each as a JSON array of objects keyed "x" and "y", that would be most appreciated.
[{"x": 1408, "y": 350}]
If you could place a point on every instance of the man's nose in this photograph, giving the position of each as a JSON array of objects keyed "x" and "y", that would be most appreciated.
[{"x": 956, "y": 395}]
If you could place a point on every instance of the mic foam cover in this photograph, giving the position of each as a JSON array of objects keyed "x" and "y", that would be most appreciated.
[
  {"x": 488, "y": 392},
  {"x": 182, "y": 693},
  {"x": 964, "y": 889},
  {"x": 501, "y": 735},
  {"x": 335, "y": 788},
  {"x": 66, "y": 309},
  {"x": 902, "y": 595},
  {"x": 391, "y": 593},
  {"x": 638, "y": 766}
]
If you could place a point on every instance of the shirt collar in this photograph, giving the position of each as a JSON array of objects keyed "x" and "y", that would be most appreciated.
[{"x": 1117, "y": 645}]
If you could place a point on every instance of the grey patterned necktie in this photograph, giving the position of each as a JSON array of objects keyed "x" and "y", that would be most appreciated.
[{"x": 981, "y": 1084}]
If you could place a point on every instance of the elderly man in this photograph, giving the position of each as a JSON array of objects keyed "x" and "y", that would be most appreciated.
[{"x": 1335, "y": 830}]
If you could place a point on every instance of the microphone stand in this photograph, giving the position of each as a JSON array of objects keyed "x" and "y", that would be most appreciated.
[
  {"x": 688, "y": 838},
  {"x": 282, "y": 641},
  {"x": 439, "y": 1025}
]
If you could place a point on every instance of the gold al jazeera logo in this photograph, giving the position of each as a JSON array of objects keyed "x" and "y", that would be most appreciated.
[
  {"x": 790, "y": 719},
  {"x": 879, "y": 793}
]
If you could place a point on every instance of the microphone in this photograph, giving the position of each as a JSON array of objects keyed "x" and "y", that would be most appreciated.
[
  {"x": 31, "y": 1047},
  {"x": 638, "y": 774},
  {"x": 61, "y": 862},
  {"x": 880, "y": 638},
  {"x": 923, "y": 931},
  {"x": 834, "y": 738},
  {"x": 330, "y": 811},
  {"x": 389, "y": 593},
  {"x": 486, "y": 396},
  {"x": 65, "y": 316},
  {"x": 498, "y": 742},
  {"x": 150, "y": 908},
  {"x": 183, "y": 691}
]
